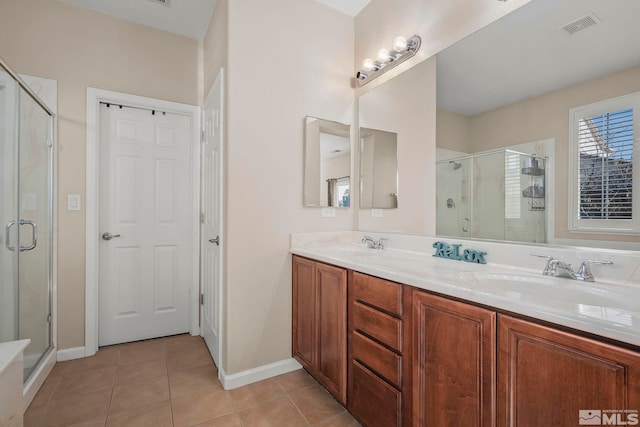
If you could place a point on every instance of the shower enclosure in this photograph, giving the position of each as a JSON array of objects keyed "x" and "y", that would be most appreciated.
[
  {"x": 26, "y": 139},
  {"x": 495, "y": 195}
]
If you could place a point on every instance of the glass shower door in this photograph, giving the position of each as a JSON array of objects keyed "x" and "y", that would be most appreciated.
[
  {"x": 8, "y": 208},
  {"x": 34, "y": 199}
]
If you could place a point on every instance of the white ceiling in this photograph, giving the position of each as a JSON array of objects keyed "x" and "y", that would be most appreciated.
[
  {"x": 189, "y": 18},
  {"x": 348, "y": 7},
  {"x": 525, "y": 54}
]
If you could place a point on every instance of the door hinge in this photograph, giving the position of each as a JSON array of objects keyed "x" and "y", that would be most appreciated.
[
  {"x": 202, "y": 135},
  {"x": 50, "y": 143},
  {"x": 201, "y": 299}
]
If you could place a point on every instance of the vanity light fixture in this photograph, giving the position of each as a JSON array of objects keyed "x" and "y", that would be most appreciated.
[{"x": 401, "y": 50}]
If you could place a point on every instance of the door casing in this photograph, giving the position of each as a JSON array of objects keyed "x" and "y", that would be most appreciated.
[{"x": 94, "y": 97}]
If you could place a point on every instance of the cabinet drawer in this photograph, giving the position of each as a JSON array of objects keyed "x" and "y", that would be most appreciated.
[
  {"x": 379, "y": 293},
  {"x": 380, "y": 359},
  {"x": 386, "y": 329},
  {"x": 372, "y": 400}
]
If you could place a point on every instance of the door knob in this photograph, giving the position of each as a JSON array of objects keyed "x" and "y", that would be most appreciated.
[
  {"x": 216, "y": 240},
  {"x": 109, "y": 236}
]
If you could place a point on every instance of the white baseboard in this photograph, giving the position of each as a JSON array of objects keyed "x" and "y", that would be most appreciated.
[
  {"x": 71, "y": 353},
  {"x": 231, "y": 381}
]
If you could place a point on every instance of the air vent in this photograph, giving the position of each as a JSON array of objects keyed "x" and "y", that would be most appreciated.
[
  {"x": 163, "y": 2},
  {"x": 581, "y": 24}
]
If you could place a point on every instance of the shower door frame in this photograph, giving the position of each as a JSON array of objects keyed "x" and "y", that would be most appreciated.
[{"x": 48, "y": 359}]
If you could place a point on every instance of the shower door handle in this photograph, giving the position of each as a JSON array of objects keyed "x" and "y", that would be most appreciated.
[
  {"x": 7, "y": 236},
  {"x": 34, "y": 235}
]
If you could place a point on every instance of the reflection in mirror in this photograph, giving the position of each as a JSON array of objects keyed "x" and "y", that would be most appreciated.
[
  {"x": 515, "y": 92},
  {"x": 327, "y": 163},
  {"x": 378, "y": 169},
  {"x": 498, "y": 195}
]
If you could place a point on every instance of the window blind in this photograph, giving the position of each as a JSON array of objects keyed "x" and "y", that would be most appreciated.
[
  {"x": 605, "y": 143},
  {"x": 512, "y": 188}
]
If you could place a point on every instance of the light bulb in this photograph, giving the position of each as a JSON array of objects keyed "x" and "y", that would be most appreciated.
[
  {"x": 368, "y": 64},
  {"x": 383, "y": 55},
  {"x": 399, "y": 44}
]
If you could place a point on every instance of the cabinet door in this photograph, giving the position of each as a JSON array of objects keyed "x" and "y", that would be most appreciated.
[
  {"x": 549, "y": 377},
  {"x": 453, "y": 363},
  {"x": 331, "y": 284},
  {"x": 304, "y": 313}
]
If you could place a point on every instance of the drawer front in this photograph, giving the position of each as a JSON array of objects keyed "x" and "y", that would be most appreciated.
[
  {"x": 378, "y": 292},
  {"x": 372, "y": 400},
  {"x": 380, "y": 359},
  {"x": 386, "y": 329}
]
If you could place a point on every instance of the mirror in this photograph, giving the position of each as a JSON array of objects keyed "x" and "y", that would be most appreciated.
[
  {"x": 510, "y": 87},
  {"x": 327, "y": 163},
  {"x": 378, "y": 169},
  {"x": 402, "y": 107}
]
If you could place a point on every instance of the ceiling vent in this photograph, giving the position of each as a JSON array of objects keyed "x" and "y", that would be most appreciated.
[
  {"x": 163, "y": 2},
  {"x": 580, "y": 24}
]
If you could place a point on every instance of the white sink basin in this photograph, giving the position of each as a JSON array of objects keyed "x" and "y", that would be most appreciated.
[
  {"x": 555, "y": 290},
  {"x": 352, "y": 250}
]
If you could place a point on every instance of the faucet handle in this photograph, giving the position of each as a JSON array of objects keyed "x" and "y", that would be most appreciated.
[
  {"x": 381, "y": 242},
  {"x": 549, "y": 257},
  {"x": 596, "y": 261},
  {"x": 584, "y": 272},
  {"x": 552, "y": 264}
]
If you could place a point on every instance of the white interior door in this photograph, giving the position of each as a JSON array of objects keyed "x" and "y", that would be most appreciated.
[
  {"x": 212, "y": 220},
  {"x": 145, "y": 224}
]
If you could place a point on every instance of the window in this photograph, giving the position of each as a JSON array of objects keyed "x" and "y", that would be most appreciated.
[
  {"x": 603, "y": 183},
  {"x": 512, "y": 193}
]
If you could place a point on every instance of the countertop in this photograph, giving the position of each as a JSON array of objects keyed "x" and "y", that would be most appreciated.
[{"x": 604, "y": 309}]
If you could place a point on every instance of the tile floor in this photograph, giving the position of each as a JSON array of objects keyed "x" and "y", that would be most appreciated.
[{"x": 173, "y": 382}]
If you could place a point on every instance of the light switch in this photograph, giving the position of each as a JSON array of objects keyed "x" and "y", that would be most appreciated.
[
  {"x": 73, "y": 202},
  {"x": 376, "y": 213},
  {"x": 328, "y": 212}
]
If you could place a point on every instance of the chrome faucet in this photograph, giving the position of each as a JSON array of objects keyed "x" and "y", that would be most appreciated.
[
  {"x": 557, "y": 268},
  {"x": 373, "y": 243}
]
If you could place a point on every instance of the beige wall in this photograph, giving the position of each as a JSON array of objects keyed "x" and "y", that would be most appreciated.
[
  {"x": 81, "y": 48},
  {"x": 386, "y": 109},
  {"x": 286, "y": 59},
  {"x": 542, "y": 117},
  {"x": 452, "y": 131},
  {"x": 215, "y": 44}
]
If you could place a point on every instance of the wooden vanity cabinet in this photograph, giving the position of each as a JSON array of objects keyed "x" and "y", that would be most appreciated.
[
  {"x": 454, "y": 363},
  {"x": 379, "y": 343},
  {"x": 319, "y": 323},
  {"x": 418, "y": 359},
  {"x": 546, "y": 376}
]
